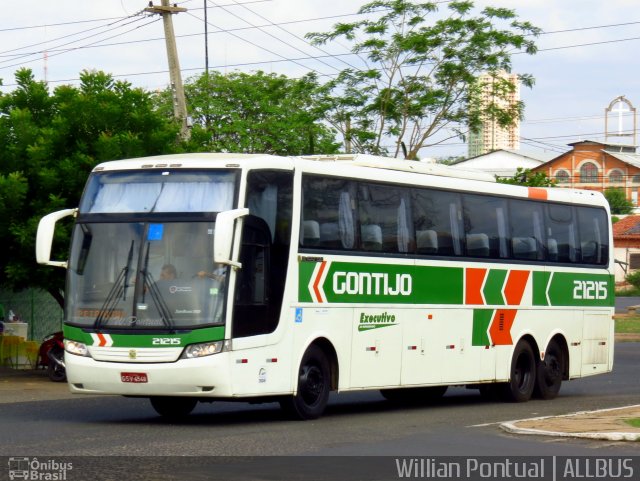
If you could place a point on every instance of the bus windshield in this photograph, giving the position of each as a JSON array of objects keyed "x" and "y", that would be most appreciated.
[
  {"x": 144, "y": 275},
  {"x": 142, "y": 250}
]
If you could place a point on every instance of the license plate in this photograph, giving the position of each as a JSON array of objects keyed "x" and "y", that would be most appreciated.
[{"x": 134, "y": 377}]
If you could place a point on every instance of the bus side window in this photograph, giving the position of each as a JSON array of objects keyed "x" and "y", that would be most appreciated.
[
  {"x": 561, "y": 227},
  {"x": 527, "y": 229},
  {"x": 436, "y": 219},
  {"x": 328, "y": 214},
  {"x": 485, "y": 226},
  {"x": 594, "y": 235}
]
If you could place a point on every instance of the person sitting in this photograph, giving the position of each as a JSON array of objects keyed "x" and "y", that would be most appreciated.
[{"x": 168, "y": 272}]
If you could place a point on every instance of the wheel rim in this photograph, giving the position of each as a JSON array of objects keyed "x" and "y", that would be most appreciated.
[{"x": 311, "y": 384}]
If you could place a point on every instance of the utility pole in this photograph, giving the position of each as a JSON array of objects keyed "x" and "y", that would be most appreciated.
[{"x": 179, "y": 101}]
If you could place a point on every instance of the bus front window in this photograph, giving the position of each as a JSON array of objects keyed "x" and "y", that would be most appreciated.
[{"x": 144, "y": 275}]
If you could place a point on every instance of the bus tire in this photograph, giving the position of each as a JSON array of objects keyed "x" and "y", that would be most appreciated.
[
  {"x": 550, "y": 372},
  {"x": 522, "y": 375},
  {"x": 314, "y": 385},
  {"x": 173, "y": 407},
  {"x": 415, "y": 395}
]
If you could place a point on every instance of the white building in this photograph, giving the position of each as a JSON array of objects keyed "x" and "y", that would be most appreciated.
[{"x": 504, "y": 162}]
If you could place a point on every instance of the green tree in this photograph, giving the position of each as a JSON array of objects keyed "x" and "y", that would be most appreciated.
[
  {"x": 49, "y": 143},
  {"x": 618, "y": 202},
  {"x": 421, "y": 78},
  {"x": 528, "y": 178},
  {"x": 255, "y": 113}
]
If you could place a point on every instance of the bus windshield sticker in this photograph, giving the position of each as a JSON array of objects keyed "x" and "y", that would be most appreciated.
[{"x": 155, "y": 232}]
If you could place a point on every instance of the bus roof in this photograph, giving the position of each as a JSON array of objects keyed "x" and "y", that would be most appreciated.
[{"x": 360, "y": 166}]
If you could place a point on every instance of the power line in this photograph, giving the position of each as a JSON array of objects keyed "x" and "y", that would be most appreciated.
[
  {"x": 75, "y": 22},
  {"x": 272, "y": 36}
]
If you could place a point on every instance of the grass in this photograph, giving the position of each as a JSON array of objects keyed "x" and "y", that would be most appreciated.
[
  {"x": 635, "y": 422},
  {"x": 628, "y": 324},
  {"x": 628, "y": 292}
]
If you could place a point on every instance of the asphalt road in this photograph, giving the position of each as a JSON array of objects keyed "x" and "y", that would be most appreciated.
[
  {"x": 356, "y": 424},
  {"x": 623, "y": 302}
]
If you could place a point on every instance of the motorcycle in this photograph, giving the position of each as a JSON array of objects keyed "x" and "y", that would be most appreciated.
[{"x": 51, "y": 356}]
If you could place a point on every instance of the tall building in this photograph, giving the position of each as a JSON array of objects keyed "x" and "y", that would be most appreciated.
[{"x": 491, "y": 136}]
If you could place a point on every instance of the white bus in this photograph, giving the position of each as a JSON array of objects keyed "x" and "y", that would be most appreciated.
[{"x": 200, "y": 277}]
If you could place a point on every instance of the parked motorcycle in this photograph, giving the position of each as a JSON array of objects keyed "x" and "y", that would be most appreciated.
[{"x": 51, "y": 356}]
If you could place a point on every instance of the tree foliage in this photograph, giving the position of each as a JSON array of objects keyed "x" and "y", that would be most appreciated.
[
  {"x": 49, "y": 142},
  {"x": 528, "y": 178},
  {"x": 256, "y": 113},
  {"x": 618, "y": 202},
  {"x": 421, "y": 78}
]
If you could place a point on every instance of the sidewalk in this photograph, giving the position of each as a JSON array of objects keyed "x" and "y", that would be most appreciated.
[
  {"x": 18, "y": 385},
  {"x": 605, "y": 424}
]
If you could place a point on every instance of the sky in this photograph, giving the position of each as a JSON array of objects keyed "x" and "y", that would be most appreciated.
[{"x": 587, "y": 53}]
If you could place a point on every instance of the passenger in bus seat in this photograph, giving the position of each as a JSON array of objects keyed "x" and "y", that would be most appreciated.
[{"x": 168, "y": 272}]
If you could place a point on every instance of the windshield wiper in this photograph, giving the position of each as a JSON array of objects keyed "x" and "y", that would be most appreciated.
[
  {"x": 150, "y": 285},
  {"x": 118, "y": 289}
]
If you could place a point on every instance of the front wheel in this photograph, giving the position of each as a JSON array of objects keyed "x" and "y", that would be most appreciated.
[
  {"x": 173, "y": 407},
  {"x": 523, "y": 374},
  {"x": 550, "y": 372},
  {"x": 314, "y": 384}
]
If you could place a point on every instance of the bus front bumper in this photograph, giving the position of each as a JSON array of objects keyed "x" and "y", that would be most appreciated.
[{"x": 203, "y": 377}]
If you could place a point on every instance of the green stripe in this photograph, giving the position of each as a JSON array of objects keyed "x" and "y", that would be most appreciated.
[
  {"x": 493, "y": 287},
  {"x": 540, "y": 282},
  {"x": 141, "y": 339},
  {"x": 481, "y": 320}
]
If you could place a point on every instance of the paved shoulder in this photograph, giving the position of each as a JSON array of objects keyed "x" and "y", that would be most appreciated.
[{"x": 601, "y": 424}]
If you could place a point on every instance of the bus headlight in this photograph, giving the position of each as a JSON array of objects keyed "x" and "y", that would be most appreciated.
[
  {"x": 202, "y": 349},
  {"x": 75, "y": 347}
]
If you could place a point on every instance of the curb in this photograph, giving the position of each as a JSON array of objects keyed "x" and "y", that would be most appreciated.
[{"x": 511, "y": 427}]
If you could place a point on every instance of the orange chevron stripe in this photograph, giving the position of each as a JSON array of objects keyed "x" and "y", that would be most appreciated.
[
  {"x": 514, "y": 287},
  {"x": 500, "y": 328},
  {"x": 316, "y": 289},
  {"x": 473, "y": 289}
]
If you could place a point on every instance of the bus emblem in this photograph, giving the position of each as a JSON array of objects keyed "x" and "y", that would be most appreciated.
[{"x": 133, "y": 354}]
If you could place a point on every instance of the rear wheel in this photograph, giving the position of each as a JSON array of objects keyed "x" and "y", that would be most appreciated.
[
  {"x": 550, "y": 372},
  {"x": 523, "y": 374},
  {"x": 173, "y": 407},
  {"x": 314, "y": 384},
  {"x": 415, "y": 395}
]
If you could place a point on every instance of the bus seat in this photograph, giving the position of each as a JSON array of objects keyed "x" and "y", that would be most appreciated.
[
  {"x": 330, "y": 235},
  {"x": 371, "y": 237},
  {"x": 310, "y": 233},
  {"x": 445, "y": 244},
  {"x": 552, "y": 248},
  {"x": 478, "y": 245},
  {"x": 427, "y": 241},
  {"x": 524, "y": 247}
]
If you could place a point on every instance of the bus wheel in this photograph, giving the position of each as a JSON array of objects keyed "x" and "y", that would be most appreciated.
[
  {"x": 173, "y": 407},
  {"x": 415, "y": 395},
  {"x": 550, "y": 371},
  {"x": 523, "y": 374},
  {"x": 314, "y": 384}
]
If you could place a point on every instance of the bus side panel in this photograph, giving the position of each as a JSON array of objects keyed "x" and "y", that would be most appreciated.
[
  {"x": 376, "y": 352},
  {"x": 312, "y": 322},
  {"x": 597, "y": 344}
]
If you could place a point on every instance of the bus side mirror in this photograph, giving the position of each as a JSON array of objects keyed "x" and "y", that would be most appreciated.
[
  {"x": 223, "y": 236},
  {"x": 44, "y": 238}
]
